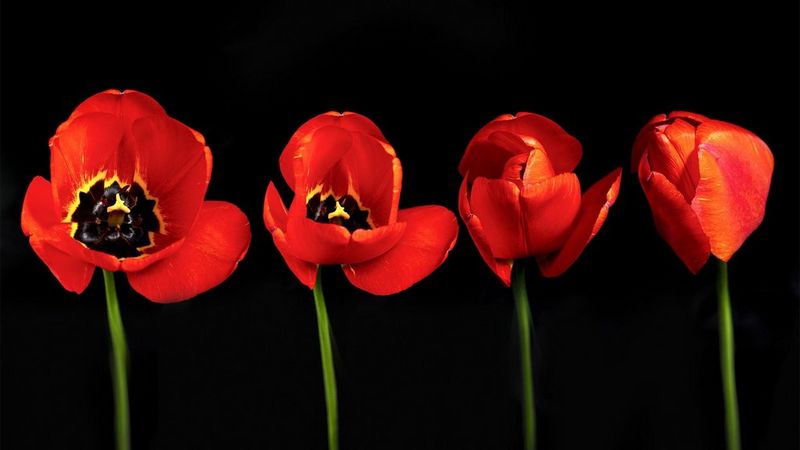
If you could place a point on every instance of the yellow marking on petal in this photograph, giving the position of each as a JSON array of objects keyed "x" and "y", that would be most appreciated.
[
  {"x": 118, "y": 205},
  {"x": 339, "y": 212}
]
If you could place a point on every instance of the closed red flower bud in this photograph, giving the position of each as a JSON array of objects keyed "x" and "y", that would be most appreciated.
[
  {"x": 519, "y": 197},
  {"x": 346, "y": 180},
  {"x": 127, "y": 194},
  {"x": 706, "y": 181}
]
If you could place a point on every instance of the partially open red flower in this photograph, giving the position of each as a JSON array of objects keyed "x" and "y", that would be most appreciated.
[
  {"x": 519, "y": 197},
  {"x": 346, "y": 180},
  {"x": 706, "y": 181},
  {"x": 127, "y": 192}
]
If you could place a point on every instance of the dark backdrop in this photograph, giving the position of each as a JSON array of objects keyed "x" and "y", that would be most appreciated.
[{"x": 626, "y": 343}]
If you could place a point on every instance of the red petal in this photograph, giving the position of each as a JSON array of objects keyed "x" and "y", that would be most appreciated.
[
  {"x": 325, "y": 243},
  {"x": 275, "y": 215},
  {"x": 372, "y": 175},
  {"x": 674, "y": 154},
  {"x": 78, "y": 153},
  {"x": 502, "y": 268},
  {"x": 296, "y": 146},
  {"x": 71, "y": 272},
  {"x": 275, "y": 218},
  {"x": 735, "y": 171},
  {"x": 429, "y": 236},
  {"x": 497, "y": 204},
  {"x": 549, "y": 209},
  {"x": 39, "y": 221},
  {"x": 563, "y": 150},
  {"x": 644, "y": 139},
  {"x": 38, "y": 215},
  {"x": 675, "y": 220},
  {"x": 172, "y": 164},
  {"x": 38, "y": 209},
  {"x": 210, "y": 254},
  {"x": 128, "y": 105},
  {"x": 594, "y": 209}
]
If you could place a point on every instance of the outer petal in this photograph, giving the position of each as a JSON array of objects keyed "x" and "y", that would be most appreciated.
[
  {"x": 563, "y": 150},
  {"x": 38, "y": 208},
  {"x": 735, "y": 172},
  {"x": 127, "y": 105},
  {"x": 430, "y": 234},
  {"x": 78, "y": 153},
  {"x": 173, "y": 165},
  {"x": 275, "y": 218},
  {"x": 324, "y": 243},
  {"x": 497, "y": 204},
  {"x": 210, "y": 254},
  {"x": 644, "y": 140},
  {"x": 674, "y": 154},
  {"x": 38, "y": 214},
  {"x": 594, "y": 209},
  {"x": 348, "y": 121},
  {"x": 501, "y": 267},
  {"x": 549, "y": 208},
  {"x": 675, "y": 220},
  {"x": 73, "y": 273}
]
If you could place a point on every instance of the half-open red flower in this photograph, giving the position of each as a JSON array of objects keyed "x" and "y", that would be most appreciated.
[
  {"x": 127, "y": 193},
  {"x": 346, "y": 180},
  {"x": 706, "y": 181},
  {"x": 519, "y": 197}
]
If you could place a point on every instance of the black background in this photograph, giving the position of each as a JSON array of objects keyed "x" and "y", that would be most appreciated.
[{"x": 626, "y": 346}]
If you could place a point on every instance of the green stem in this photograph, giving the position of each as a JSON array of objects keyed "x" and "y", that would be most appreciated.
[
  {"x": 726, "y": 359},
  {"x": 328, "y": 374},
  {"x": 119, "y": 364},
  {"x": 524, "y": 318}
]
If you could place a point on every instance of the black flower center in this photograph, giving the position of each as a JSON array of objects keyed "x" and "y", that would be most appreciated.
[
  {"x": 115, "y": 219},
  {"x": 344, "y": 211}
]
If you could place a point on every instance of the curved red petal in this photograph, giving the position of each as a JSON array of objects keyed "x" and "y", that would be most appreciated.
[
  {"x": 644, "y": 140},
  {"x": 594, "y": 208},
  {"x": 497, "y": 204},
  {"x": 38, "y": 208},
  {"x": 89, "y": 147},
  {"x": 60, "y": 237},
  {"x": 674, "y": 218},
  {"x": 325, "y": 243},
  {"x": 735, "y": 172},
  {"x": 127, "y": 105},
  {"x": 371, "y": 174},
  {"x": 563, "y": 150},
  {"x": 209, "y": 256},
  {"x": 549, "y": 209},
  {"x": 430, "y": 233},
  {"x": 501, "y": 268},
  {"x": 297, "y": 143},
  {"x": 173, "y": 166},
  {"x": 73, "y": 273},
  {"x": 674, "y": 154},
  {"x": 275, "y": 219},
  {"x": 275, "y": 215}
]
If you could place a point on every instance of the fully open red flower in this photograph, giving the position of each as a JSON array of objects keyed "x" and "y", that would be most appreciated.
[
  {"x": 706, "y": 181},
  {"x": 519, "y": 197},
  {"x": 346, "y": 180},
  {"x": 127, "y": 192}
]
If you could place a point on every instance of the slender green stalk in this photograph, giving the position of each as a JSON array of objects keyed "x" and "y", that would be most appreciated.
[
  {"x": 726, "y": 359},
  {"x": 328, "y": 374},
  {"x": 119, "y": 365},
  {"x": 524, "y": 318}
]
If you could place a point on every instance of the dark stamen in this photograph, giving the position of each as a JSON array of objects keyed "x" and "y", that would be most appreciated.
[
  {"x": 120, "y": 233},
  {"x": 318, "y": 209}
]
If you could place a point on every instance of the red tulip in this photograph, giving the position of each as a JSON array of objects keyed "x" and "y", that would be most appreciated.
[
  {"x": 346, "y": 180},
  {"x": 706, "y": 181},
  {"x": 519, "y": 197},
  {"x": 127, "y": 192}
]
